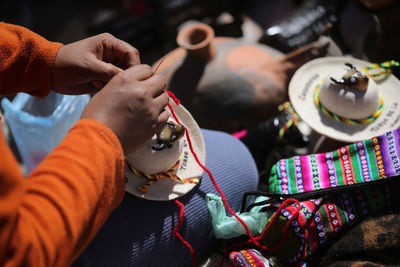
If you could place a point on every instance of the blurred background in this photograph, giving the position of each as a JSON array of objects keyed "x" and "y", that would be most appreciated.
[{"x": 151, "y": 25}]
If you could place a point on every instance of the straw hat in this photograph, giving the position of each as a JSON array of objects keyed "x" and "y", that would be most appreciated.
[
  {"x": 178, "y": 161},
  {"x": 339, "y": 111}
]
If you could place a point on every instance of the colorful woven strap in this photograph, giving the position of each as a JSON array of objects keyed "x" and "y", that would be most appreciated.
[
  {"x": 250, "y": 258},
  {"x": 369, "y": 160},
  {"x": 341, "y": 118},
  {"x": 156, "y": 177}
]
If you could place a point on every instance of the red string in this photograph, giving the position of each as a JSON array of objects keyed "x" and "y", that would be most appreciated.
[
  {"x": 285, "y": 230},
  {"x": 176, "y": 100},
  {"x": 212, "y": 178},
  {"x": 175, "y": 231},
  {"x": 252, "y": 238}
]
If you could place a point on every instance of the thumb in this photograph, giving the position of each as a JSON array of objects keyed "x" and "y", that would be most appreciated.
[{"x": 103, "y": 71}]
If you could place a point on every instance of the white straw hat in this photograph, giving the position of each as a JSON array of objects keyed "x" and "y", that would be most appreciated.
[
  {"x": 170, "y": 165},
  {"x": 341, "y": 112}
]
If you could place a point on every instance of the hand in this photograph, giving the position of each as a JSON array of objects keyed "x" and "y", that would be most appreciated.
[
  {"x": 86, "y": 65},
  {"x": 132, "y": 105}
]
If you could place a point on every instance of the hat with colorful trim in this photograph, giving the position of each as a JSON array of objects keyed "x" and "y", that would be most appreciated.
[
  {"x": 346, "y": 99},
  {"x": 166, "y": 167}
]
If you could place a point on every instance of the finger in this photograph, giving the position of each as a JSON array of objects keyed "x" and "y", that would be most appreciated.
[
  {"x": 139, "y": 72},
  {"x": 162, "y": 120},
  {"x": 120, "y": 53},
  {"x": 103, "y": 71},
  {"x": 161, "y": 101},
  {"x": 157, "y": 84}
]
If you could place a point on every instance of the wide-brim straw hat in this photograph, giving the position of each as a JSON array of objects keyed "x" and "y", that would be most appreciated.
[
  {"x": 317, "y": 72},
  {"x": 147, "y": 162}
]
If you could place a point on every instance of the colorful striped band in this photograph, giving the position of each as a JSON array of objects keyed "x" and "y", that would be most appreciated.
[
  {"x": 343, "y": 119},
  {"x": 156, "y": 177},
  {"x": 380, "y": 71}
]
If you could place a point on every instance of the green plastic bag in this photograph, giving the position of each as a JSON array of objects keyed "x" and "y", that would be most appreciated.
[{"x": 229, "y": 227}]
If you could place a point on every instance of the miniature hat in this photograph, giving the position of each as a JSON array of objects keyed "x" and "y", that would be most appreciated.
[
  {"x": 165, "y": 171},
  {"x": 336, "y": 98}
]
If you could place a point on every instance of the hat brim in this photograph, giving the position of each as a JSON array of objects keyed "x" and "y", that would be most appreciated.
[
  {"x": 168, "y": 189},
  {"x": 301, "y": 89}
]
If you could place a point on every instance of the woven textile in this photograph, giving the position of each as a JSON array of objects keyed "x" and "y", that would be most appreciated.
[
  {"x": 370, "y": 160},
  {"x": 249, "y": 258},
  {"x": 326, "y": 211}
]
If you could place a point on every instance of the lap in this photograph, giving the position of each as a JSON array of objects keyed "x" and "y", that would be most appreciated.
[{"x": 139, "y": 232}]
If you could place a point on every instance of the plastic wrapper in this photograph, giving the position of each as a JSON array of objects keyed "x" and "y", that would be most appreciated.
[
  {"x": 38, "y": 125},
  {"x": 226, "y": 227}
]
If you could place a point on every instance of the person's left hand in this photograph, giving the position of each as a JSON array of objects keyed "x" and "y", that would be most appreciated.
[{"x": 86, "y": 65}]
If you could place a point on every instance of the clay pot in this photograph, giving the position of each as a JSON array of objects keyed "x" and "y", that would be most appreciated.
[{"x": 228, "y": 84}]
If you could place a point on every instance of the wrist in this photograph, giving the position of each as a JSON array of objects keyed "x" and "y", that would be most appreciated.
[
  {"x": 53, "y": 81},
  {"x": 104, "y": 130}
]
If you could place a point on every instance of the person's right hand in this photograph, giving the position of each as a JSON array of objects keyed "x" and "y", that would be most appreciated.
[{"x": 132, "y": 105}]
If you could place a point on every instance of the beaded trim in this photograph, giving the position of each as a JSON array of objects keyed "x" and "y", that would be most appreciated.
[
  {"x": 343, "y": 119},
  {"x": 156, "y": 177}
]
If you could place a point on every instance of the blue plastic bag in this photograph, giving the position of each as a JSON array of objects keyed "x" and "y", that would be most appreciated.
[{"x": 38, "y": 125}]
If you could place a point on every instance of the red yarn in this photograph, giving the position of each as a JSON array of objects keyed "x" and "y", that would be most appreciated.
[
  {"x": 285, "y": 230},
  {"x": 176, "y": 100},
  {"x": 212, "y": 178},
  {"x": 252, "y": 238},
  {"x": 175, "y": 231}
]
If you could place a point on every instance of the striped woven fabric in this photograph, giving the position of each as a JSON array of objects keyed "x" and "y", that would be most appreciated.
[
  {"x": 320, "y": 220},
  {"x": 370, "y": 160},
  {"x": 249, "y": 258},
  {"x": 326, "y": 218}
]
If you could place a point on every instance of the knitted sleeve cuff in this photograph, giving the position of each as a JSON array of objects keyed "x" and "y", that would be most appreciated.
[{"x": 26, "y": 61}]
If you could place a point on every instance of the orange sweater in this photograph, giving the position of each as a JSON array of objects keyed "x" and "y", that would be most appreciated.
[{"x": 49, "y": 217}]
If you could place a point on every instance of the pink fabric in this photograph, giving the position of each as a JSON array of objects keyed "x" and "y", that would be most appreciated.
[
  {"x": 323, "y": 171},
  {"x": 240, "y": 134}
]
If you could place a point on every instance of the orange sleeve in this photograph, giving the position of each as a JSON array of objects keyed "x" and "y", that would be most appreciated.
[
  {"x": 48, "y": 218},
  {"x": 26, "y": 61}
]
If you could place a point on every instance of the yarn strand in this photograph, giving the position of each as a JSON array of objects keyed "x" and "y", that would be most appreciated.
[
  {"x": 274, "y": 218},
  {"x": 252, "y": 238},
  {"x": 178, "y": 235},
  {"x": 212, "y": 179},
  {"x": 381, "y": 71},
  {"x": 156, "y": 177}
]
